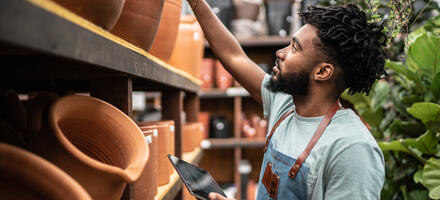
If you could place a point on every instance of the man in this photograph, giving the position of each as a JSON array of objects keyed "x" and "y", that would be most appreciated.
[{"x": 315, "y": 148}]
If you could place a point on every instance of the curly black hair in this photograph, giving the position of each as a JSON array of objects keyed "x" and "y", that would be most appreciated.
[{"x": 349, "y": 41}]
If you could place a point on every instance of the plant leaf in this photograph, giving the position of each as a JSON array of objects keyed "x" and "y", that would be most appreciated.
[
  {"x": 395, "y": 145},
  {"x": 425, "y": 111},
  {"x": 380, "y": 93},
  {"x": 435, "y": 85},
  {"x": 431, "y": 177},
  {"x": 418, "y": 176},
  {"x": 426, "y": 143},
  {"x": 424, "y": 55}
]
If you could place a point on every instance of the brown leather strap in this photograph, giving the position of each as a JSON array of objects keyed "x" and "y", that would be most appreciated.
[
  {"x": 324, "y": 123},
  {"x": 275, "y": 127}
]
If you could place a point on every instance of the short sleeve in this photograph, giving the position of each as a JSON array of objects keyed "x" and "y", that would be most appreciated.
[
  {"x": 356, "y": 173},
  {"x": 267, "y": 96}
]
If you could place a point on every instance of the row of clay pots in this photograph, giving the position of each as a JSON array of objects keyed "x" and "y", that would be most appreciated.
[
  {"x": 212, "y": 71},
  {"x": 192, "y": 135},
  {"x": 149, "y": 24},
  {"x": 92, "y": 142},
  {"x": 254, "y": 127},
  {"x": 188, "y": 51}
]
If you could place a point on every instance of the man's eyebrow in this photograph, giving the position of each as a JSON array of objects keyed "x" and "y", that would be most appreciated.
[{"x": 294, "y": 39}]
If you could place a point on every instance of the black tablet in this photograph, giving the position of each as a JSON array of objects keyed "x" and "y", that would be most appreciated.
[{"x": 198, "y": 181}]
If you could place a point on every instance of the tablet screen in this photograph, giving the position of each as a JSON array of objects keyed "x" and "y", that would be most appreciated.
[{"x": 198, "y": 181}]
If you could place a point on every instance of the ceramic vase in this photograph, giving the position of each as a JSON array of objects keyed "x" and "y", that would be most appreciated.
[
  {"x": 165, "y": 40},
  {"x": 24, "y": 175},
  {"x": 103, "y": 13},
  {"x": 95, "y": 143},
  {"x": 139, "y": 22}
]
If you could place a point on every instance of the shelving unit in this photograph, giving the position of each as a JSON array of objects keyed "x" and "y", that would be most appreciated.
[
  {"x": 46, "y": 47},
  {"x": 224, "y": 143}
]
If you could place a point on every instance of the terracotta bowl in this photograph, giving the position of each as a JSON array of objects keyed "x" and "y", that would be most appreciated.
[
  {"x": 163, "y": 140},
  {"x": 165, "y": 40},
  {"x": 145, "y": 188},
  {"x": 103, "y": 13},
  {"x": 95, "y": 143},
  {"x": 139, "y": 22},
  {"x": 24, "y": 175}
]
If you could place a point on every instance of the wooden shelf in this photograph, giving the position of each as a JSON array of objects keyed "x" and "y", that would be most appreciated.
[
  {"x": 232, "y": 143},
  {"x": 264, "y": 41},
  {"x": 230, "y": 92},
  {"x": 169, "y": 191},
  {"x": 40, "y": 40}
]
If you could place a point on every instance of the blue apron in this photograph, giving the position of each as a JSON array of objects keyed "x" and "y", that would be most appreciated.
[{"x": 283, "y": 177}]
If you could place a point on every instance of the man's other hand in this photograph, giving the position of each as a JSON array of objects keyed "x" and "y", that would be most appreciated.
[{"x": 216, "y": 196}]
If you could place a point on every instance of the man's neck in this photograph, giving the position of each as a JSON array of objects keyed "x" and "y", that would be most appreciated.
[{"x": 314, "y": 105}]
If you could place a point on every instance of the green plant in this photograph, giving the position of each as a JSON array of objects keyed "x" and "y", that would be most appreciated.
[{"x": 404, "y": 116}]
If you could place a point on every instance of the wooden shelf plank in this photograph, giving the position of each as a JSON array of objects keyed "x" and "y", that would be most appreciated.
[
  {"x": 219, "y": 143},
  {"x": 264, "y": 41},
  {"x": 169, "y": 191},
  {"x": 230, "y": 92},
  {"x": 42, "y": 27}
]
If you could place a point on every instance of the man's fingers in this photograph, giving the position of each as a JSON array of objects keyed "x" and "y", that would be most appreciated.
[{"x": 215, "y": 196}]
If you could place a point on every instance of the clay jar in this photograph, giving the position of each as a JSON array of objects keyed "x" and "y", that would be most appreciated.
[
  {"x": 188, "y": 51},
  {"x": 139, "y": 22},
  {"x": 192, "y": 134},
  {"x": 103, "y": 13},
  {"x": 145, "y": 187},
  {"x": 24, "y": 175},
  {"x": 163, "y": 149},
  {"x": 95, "y": 143},
  {"x": 165, "y": 40}
]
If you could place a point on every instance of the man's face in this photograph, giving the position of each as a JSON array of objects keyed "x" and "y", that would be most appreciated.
[{"x": 292, "y": 71}]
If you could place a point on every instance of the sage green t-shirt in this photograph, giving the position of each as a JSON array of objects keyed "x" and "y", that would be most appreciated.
[{"x": 346, "y": 162}]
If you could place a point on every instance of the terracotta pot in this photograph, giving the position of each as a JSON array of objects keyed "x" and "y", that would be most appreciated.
[
  {"x": 103, "y": 13},
  {"x": 12, "y": 110},
  {"x": 204, "y": 118},
  {"x": 145, "y": 187},
  {"x": 172, "y": 139},
  {"x": 24, "y": 175},
  {"x": 38, "y": 107},
  {"x": 223, "y": 79},
  {"x": 163, "y": 141},
  {"x": 189, "y": 36},
  {"x": 192, "y": 134},
  {"x": 139, "y": 22},
  {"x": 165, "y": 40},
  {"x": 95, "y": 143},
  {"x": 207, "y": 73}
]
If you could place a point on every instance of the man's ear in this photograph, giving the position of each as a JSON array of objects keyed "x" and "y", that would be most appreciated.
[{"x": 323, "y": 71}]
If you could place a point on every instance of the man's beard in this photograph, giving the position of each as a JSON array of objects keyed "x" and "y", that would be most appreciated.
[{"x": 295, "y": 84}]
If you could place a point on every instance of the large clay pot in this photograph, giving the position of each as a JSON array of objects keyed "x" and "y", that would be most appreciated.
[
  {"x": 95, "y": 143},
  {"x": 166, "y": 35},
  {"x": 192, "y": 134},
  {"x": 145, "y": 188},
  {"x": 103, "y": 13},
  {"x": 24, "y": 175},
  {"x": 139, "y": 22},
  {"x": 163, "y": 141},
  {"x": 188, "y": 51}
]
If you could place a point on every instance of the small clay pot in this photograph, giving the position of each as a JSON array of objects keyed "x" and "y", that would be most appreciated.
[
  {"x": 145, "y": 188},
  {"x": 192, "y": 134},
  {"x": 207, "y": 73},
  {"x": 223, "y": 79},
  {"x": 139, "y": 22},
  {"x": 24, "y": 175},
  {"x": 203, "y": 117},
  {"x": 95, "y": 143},
  {"x": 165, "y": 40},
  {"x": 163, "y": 141},
  {"x": 103, "y": 13}
]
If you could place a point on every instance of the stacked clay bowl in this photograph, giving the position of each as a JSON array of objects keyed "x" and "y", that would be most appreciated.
[
  {"x": 192, "y": 134},
  {"x": 189, "y": 37},
  {"x": 139, "y": 22},
  {"x": 24, "y": 175},
  {"x": 95, "y": 143},
  {"x": 145, "y": 187},
  {"x": 165, "y": 40},
  {"x": 163, "y": 149},
  {"x": 103, "y": 13}
]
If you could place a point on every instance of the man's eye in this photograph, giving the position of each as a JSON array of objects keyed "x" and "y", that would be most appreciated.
[{"x": 293, "y": 47}]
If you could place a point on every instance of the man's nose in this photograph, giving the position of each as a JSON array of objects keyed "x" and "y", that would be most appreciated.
[{"x": 281, "y": 54}]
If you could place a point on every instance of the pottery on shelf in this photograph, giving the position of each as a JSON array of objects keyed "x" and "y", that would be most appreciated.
[
  {"x": 145, "y": 188},
  {"x": 165, "y": 40},
  {"x": 223, "y": 79},
  {"x": 95, "y": 143},
  {"x": 103, "y": 13},
  {"x": 163, "y": 140},
  {"x": 204, "y": 118},
  {"x": 139, "y": 22},
  {"x": 189, "y": 36},
  {"x": 207, "y": 73},
  {"x": 24, "y": 175},
  {"x": 192, "y": 134}
]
